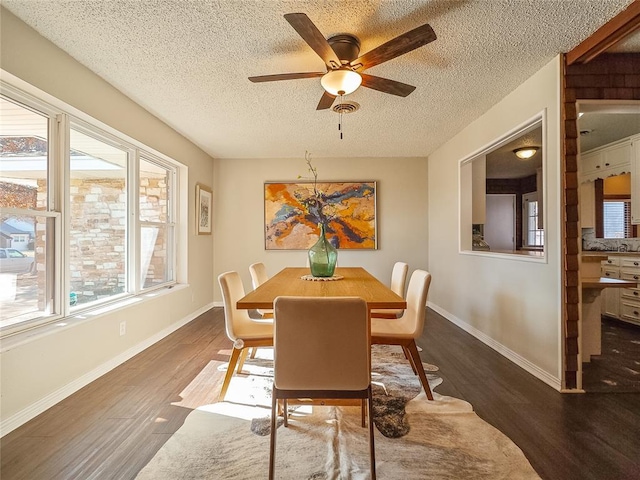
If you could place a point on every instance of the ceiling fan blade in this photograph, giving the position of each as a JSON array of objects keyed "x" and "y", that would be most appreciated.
[
  {"x": 387, "y": 86},
  {"x": 314, "y": 38},
  {"x": 285, "y": 76},
  {"x": 326, "y": 101},
  {"x": 395, "y": 47}
]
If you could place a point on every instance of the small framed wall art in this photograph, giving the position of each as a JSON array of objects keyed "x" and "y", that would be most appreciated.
[{"x": 203, "y": 209}]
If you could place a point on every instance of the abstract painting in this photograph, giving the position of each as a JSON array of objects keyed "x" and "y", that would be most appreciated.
[{"x": 293, "y": 212}]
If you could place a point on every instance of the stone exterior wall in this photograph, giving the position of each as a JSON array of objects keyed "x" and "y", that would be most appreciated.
[
  {"x": 154, "y": 207},
  {"x": 97, "y": 236}
]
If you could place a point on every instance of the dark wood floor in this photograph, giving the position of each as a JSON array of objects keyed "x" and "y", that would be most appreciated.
[
  {"x": 615, "y": 370},
  {"x": 113, "y": 427}
]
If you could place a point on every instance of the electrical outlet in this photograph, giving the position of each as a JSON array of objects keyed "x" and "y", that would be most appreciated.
[{"x": 123, "y": 328}]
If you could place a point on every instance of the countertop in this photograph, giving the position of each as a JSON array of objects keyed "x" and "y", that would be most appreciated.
[
  {"x": 528, "y": 253},
  {"x": 595, "y": 257},
  {"x": 604, "y": 254},
  {"x": 604, "y": 282}
]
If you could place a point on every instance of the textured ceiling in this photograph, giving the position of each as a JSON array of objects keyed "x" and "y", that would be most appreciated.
[
  {"x": 597, "y": 129},
  {"x": 187, "y": 62}
]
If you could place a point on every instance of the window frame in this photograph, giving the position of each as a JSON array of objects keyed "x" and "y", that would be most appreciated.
[
  {"x": 170, "y": 223},
  {"x": 626, "y": 215},
  {"x": 465, "y": 192},
  {"x": 527, "y": 199},
  {"x": 62, "y": 118}
]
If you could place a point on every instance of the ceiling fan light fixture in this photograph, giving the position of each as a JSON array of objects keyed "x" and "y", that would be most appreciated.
[
  {"x": 525, "y": 153},
  {"x": 342, "y": 81}
]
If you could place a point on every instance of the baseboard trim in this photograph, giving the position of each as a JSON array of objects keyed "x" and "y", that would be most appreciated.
[
  {"x": 9, "y": 424},
  {"x": 516, "y": 358}
]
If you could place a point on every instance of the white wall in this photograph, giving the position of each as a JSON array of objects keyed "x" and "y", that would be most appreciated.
[
  {"x": 239, "y": 212},
  {"x": 40, "y": 370},
  {"x": 513, "y": 305}
]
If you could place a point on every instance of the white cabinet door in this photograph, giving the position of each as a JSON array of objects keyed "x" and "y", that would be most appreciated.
[
  {"x": 617, "y": 156},
  {"x": 612, "y": 159},
  {"x": 611, "y": 296},
  {"x": 611, "y": 302},
  {"x": 590, "y": 163}
]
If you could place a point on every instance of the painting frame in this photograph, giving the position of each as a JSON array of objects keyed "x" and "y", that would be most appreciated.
[
  {"x": 204, "y": 201},
  {"x": 293, "y": 211}
]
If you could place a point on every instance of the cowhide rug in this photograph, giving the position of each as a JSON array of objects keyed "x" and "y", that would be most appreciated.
[{"x": 415, "y": 438}]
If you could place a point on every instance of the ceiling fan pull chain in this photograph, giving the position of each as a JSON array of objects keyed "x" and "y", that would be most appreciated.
[{"x": 340, "y": 98}]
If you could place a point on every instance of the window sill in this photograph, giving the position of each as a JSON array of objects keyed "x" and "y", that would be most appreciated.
[
  {"x": 518, "y": 255},
  {"x": 30, "y": 334}
]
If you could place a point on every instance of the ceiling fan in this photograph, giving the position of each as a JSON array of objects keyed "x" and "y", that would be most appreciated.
[{"x": 340, "y": 54}]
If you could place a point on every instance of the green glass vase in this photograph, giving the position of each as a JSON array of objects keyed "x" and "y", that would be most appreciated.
[{"x": 323, "y": 256}]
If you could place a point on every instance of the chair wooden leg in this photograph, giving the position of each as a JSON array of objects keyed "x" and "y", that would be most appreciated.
[
  {"x": 407, "y": 355},
  {"x": 362, "y": 411},
  {"x": 417, "y": 362},
  {"x": 235, "y": 353},
  {"x": 285, "y": 412},
  {"x": 272, "y": 444},
  {"x": 243, "y": 357},
  {"x": 372, "y": 448},
  {"x": 254, "y": 350}
]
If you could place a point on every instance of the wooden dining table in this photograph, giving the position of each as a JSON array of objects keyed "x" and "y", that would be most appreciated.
[{"x": 355, "y": 282}]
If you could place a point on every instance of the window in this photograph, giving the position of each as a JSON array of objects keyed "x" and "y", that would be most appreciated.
[
  {"x": 90, "y": 214},
  {"x": 617, "y": 218},
  {"x": 488, "y": 227},
  {"x": 156, "y": 222},
  {"x": 98, "y": 218},
  {"x": 26, "y": 211},
  {"x": 532, "y": 235}
]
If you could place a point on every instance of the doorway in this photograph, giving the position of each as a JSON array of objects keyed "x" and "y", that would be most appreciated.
[
  {"x": 499, "y": 229},
  {"x": 603, "y": 125}
]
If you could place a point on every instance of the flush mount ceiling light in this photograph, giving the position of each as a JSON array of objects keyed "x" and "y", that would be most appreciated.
[
  {"x": 525, "y": 153},
  {"x": 342, "y": 81}
]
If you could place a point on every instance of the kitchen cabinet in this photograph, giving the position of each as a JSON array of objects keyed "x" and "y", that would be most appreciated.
[
  {"x": 602, "y": 162},
  {"x": 623, "y": 303},
  {"x": 630, "y": 297},
  {"x": 611, "y": 296},
  {"x": 599, "y": 286}
]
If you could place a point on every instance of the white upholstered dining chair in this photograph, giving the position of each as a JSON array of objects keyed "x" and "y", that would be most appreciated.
[
  {"x": 244, "y": 332},
  {"x": 258, "y": 276},
  {"x": 398, "y": 283},
  {"x": 404, "y": 330},
  {"x": 321, "y": 350}
]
